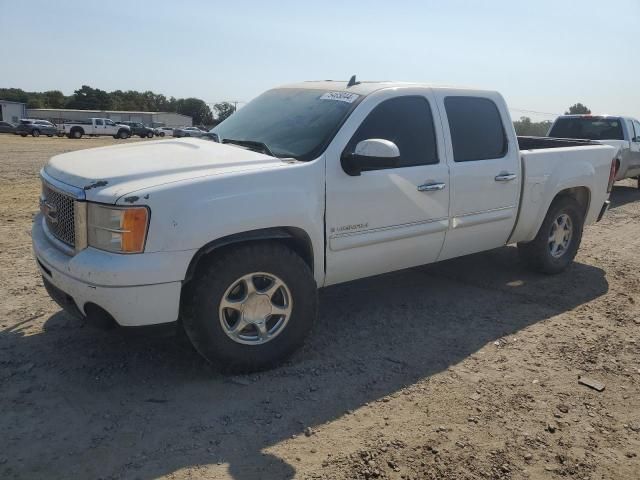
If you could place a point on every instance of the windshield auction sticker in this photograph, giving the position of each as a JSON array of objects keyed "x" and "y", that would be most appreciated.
[{"x": 340, "y": 96}]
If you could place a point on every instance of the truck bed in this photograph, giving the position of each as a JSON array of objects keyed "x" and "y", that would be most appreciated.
[{"x": 537, "y": 143}]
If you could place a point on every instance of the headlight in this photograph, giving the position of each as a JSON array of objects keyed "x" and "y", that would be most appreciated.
[{"x": 117, "y": 229}]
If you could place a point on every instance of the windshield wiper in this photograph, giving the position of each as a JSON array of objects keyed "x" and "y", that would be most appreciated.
[{"x": 252, "y": 144}]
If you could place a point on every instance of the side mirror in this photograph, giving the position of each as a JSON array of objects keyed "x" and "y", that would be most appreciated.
[{"x": 372, "y": 154}]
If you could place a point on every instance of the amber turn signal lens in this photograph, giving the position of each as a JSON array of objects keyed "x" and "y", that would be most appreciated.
[{"x": 134, "y": 229}]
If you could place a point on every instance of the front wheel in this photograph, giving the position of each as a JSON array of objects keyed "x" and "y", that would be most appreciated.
[
  {"x": 122, "y": 134},
  {"x": 250, "y": 307},
  {"x": 150, "y": 135},
  {"x": 558, "y": 239},
  {"x": 161, "y": 134}
]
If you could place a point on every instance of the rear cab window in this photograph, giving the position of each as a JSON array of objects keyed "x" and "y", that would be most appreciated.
[
  {"x": 588, "y": 128},
  {"x": 476, "y": 128}
]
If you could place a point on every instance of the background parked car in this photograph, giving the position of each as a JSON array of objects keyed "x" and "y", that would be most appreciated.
[
  {"x": 35, "y": 128},
  {"x": 188, "y": 132},
  {"x": 6, "y": 127},
  {"x": 164, "y": 131},
  {"x": 139, "y": 129}
]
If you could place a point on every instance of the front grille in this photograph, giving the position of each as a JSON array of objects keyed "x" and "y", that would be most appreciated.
[{"x": 58, "y": 210}]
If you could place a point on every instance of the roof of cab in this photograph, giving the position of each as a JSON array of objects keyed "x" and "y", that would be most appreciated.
[{"x": 364, "y": 87}]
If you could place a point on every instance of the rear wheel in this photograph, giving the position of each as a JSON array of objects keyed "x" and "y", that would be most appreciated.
[
  {"x": 35, "y": 133},
  {"x": 162, "y": 134},
  {"x": 77, "y": 133},
  {"x": 150, "y": 135},
  {"x": 250, "y": 307},
  {"x": 558, "y": 239}
]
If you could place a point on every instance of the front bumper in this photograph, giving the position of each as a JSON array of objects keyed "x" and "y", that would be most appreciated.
[{"x": 96, "y": 278}]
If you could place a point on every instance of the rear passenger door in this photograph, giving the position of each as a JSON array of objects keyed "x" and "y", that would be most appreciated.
[
  {"x": 485, "y": 171},
  {"x": 98, "y": 126}
]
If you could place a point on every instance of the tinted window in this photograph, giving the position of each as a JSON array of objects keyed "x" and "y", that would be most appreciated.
[
  {"x": 292, "y": 122},
  {"x": 637, "y": 128},
  {"x": 109, "y": 122},
  {"x": 588, "y": 128},
  {"x": 476, "y": 129},
  {"x": 98, "y": 122},
  {"x": 405, "y": 121}
]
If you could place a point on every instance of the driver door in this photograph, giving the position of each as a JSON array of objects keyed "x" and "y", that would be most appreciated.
[{"x": 396, "y": 216}]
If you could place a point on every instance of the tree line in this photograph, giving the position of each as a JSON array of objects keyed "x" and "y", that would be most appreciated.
[
  {"x": 88, "y": 98},
  {"x": 528, "y": 128}
]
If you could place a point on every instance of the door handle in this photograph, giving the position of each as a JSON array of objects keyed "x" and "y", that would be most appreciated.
[
  {"x": 431, "y": 187},
  {"x": 506, "y": 177}
]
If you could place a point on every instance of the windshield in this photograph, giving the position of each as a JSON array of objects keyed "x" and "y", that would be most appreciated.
[
  {"x": 588, "y": 128},
  {"x": 296, "y": 123}
]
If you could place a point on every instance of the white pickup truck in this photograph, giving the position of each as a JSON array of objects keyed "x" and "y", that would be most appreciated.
[
  {"x": 95, "y": 127},
  {"x": 307, "y": 186},
  {"x": 622, "y": 133}
]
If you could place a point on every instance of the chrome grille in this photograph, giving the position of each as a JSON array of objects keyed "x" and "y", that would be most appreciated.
[{"x": 58, "y": 210}]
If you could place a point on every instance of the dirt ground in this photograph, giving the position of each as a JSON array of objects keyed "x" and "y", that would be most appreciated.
[{"x": 466, "y": 369}]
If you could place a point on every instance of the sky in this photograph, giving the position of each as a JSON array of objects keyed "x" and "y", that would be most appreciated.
[{"x": 543, "y": 56}]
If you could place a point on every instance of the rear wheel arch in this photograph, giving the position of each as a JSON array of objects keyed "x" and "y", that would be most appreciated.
[
  {"x": 582, "y": 195},
  {"x": 294, "y": 238}
]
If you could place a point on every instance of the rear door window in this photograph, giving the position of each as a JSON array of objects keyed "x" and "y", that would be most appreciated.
[
  {"x": 477, "y": 132},
  {"x": 636, "y": 125},
  {"x": 99, "y": 122}
]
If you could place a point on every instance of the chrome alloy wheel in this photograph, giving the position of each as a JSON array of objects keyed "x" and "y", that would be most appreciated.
[
  {"x": 560, "y": 235},
  {"x": 255, "y": 308}
]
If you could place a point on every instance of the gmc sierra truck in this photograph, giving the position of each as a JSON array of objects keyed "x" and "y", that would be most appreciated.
[
  {"x": 95, "y": 127},
  {"x": 622, "y": 133},
  {"x": 309, "y": 185}
]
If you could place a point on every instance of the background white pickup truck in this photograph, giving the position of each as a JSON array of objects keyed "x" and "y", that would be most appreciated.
[
  {"x": 622, "y": 133},
  {"x": 311, "y": 185},
  {"x": 96, "y": 127}
]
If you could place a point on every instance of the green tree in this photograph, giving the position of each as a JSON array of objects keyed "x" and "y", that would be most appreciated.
[
  {"x": 196, "y": 109},
  {"x": 223, "y": 110},
  {"x": 578, "y": 109},
  {"x": 526, "y": 127},
  {"x": 87, "y": 98},
  {"x": 54, "y": 99}
]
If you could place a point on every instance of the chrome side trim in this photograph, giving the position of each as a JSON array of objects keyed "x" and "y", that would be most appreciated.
[
  {"x": 471, "y": 219},
  {"x": 62, "y": 187},
  {"x": 387, "y": 234}
]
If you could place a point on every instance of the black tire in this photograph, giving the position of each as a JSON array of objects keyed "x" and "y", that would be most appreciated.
[
  {"x": 23, "y": 135},
  {"x": 537, "y": 255},
  {"x": 35, "y": 132},
  {"x": 161, "y": 134},
  {"x": 49, "y": 135},
  {"x": 216, "y": 275},
  {"x": 123, "y": 134},
  {"x": 76, "y": 133},
  {"x": 150, "y": 135}
]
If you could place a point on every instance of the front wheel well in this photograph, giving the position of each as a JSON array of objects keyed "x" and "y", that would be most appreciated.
[{"x": 294, "y": 238}]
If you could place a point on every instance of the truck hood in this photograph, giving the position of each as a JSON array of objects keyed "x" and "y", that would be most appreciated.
[{"x": 106, "y": 174}]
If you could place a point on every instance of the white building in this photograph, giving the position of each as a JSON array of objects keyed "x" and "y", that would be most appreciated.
[
  {"x": 154, "y": 119},
  {"x": 12, "y": 111}
]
